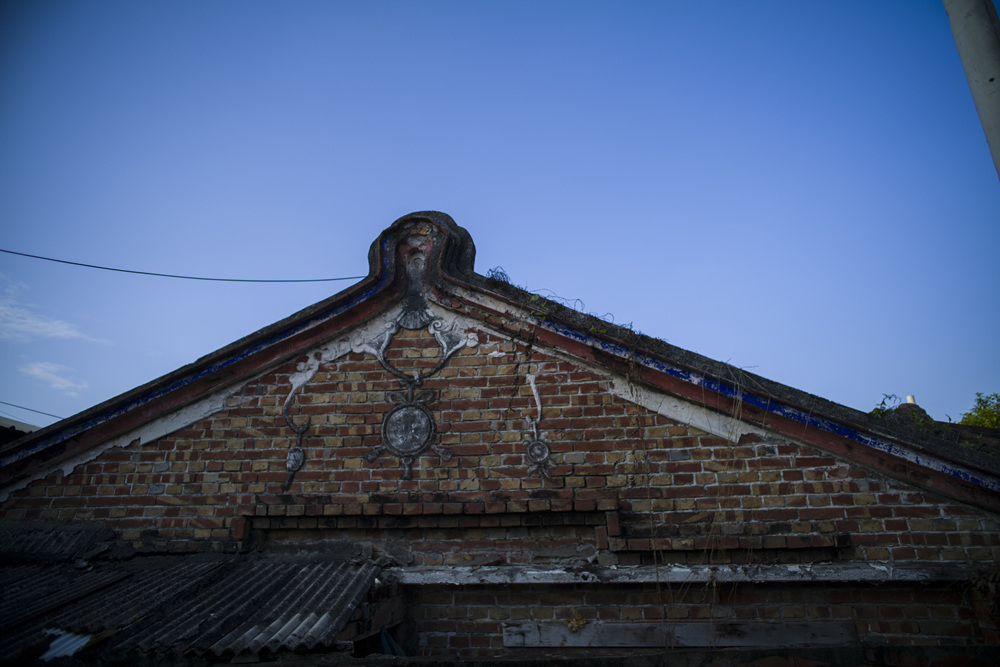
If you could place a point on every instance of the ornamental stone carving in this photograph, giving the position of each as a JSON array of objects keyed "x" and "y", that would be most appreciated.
[{"x": 409, "y": 428}]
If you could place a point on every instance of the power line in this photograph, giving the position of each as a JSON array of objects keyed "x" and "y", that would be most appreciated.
[
  {"x": 21, "y": 407},
  {"x": 168, "y": 275}
]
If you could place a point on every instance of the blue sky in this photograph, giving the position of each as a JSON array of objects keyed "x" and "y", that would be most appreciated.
[{"x": 801, "y": 189}]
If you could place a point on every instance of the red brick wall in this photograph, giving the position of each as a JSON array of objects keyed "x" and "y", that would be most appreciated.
[
  {"x": 677, "y": 489},
  {"x": 628, "y": 487}
]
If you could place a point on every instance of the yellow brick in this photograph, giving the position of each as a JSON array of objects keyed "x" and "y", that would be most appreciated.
[
  {"x": 870, "y": 526},
  {"x": 877, "y": 553}
]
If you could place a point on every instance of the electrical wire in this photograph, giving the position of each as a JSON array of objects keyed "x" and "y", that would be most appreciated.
[
  {"x": 21, "y": 407},
  {"x": 168, "y": 275}
]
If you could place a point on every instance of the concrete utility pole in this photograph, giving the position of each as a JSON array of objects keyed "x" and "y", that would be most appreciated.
[{"x": 976, "y": 30}]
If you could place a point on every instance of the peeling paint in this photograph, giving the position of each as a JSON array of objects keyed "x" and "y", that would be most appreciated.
[
  {"x": 672, "y": 407},
  {"x": 713, "y": 422},
  {"x": 534, "y": 391},
  {"x": 707, "y": 420},
  {"x": 353, "y": 341}
]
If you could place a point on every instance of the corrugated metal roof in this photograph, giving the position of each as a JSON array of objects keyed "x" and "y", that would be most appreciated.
[
  {"x": 30, "y": 591},
  {"x": 186, "y": 605},
  {"x": 48, "y": 541},
  {"x": 314, "y": 604},
  {"x": 129, "y": 593}
]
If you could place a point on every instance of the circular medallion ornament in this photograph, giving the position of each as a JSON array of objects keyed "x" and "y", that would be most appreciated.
[
  {"x": 538, "y": 451},
  {"x": 408, "y": 429}
]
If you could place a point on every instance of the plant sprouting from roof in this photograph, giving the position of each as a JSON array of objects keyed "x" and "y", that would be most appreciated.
[
  {"x": 986, "y": 411},
  {"x": 889, "y": 401}
]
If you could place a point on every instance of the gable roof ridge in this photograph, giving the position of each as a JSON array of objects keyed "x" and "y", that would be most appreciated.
[{"x": 448, "y": 273}]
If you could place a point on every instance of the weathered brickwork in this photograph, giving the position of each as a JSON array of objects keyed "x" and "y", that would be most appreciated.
[
  {"x": 628, "y": 487},
  {"x": 885, "y": 614},
  {"x": 624, "y": 480},
  {"x": 575, "y": 489}
]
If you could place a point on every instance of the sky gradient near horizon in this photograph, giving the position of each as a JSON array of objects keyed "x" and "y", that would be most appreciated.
[{"x": 802, "y": 190}]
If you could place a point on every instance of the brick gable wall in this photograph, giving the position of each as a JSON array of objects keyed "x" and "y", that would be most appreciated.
[{"x": 628, "y": 487}]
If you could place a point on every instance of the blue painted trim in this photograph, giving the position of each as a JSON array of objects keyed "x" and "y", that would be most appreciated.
[{"x": 979, "y": 479}]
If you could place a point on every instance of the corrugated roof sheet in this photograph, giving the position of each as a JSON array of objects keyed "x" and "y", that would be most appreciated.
[
  {"x": 307, "y": 608},
  {"x": 29, "y": 591},
  {"x": 45, "y": 541},
  {"x": 184, "y": 605}
]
